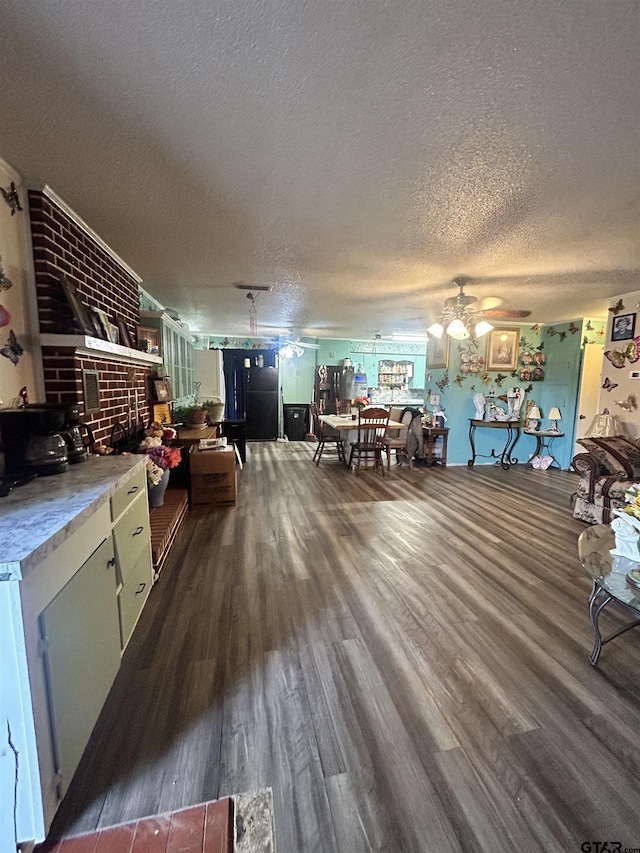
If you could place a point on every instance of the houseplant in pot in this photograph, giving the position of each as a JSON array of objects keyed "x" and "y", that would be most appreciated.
[{"x": 199, "y": 414}]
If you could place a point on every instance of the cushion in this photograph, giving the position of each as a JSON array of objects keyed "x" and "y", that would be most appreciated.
[{"x": 619, "y": 456}]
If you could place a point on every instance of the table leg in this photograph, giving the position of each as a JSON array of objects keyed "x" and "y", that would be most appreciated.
[
  {"x": 472, "y": 431},
  {"x": 594, "y": 616}
]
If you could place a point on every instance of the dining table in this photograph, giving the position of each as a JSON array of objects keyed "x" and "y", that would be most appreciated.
[{"x": 347, "y": 425}]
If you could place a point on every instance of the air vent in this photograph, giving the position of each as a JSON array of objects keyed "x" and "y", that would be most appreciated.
[
  {"x": 91, "y": 387},
  {"x": 240, "y": 285}
]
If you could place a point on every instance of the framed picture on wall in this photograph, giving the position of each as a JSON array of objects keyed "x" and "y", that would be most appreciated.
[
  {"x": 437, "y": 352},
  {"x": 163, "y": 390},
  {"x": 502, "y": 349},
  {"x": 623, "y": 327}
]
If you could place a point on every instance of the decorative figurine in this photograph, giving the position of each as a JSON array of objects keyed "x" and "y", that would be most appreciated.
[{"x": 478, "y": 402}]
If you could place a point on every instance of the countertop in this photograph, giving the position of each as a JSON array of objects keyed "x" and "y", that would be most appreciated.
[{"x": 35, "y": 519}]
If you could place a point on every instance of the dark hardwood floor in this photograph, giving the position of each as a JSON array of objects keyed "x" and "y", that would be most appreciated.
[{"x": 404, "y": 661}]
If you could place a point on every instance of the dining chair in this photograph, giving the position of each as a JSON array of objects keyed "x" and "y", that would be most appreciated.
[
  {"x": 372, "y": 425},
  {"x": 325, "y": 439}
]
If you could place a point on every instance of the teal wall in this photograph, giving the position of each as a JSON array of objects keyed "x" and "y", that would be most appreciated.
[{"x": 562, "y": 346}]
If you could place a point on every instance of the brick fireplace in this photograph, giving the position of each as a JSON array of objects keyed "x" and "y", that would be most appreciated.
[{"x": 64, "y": 244}]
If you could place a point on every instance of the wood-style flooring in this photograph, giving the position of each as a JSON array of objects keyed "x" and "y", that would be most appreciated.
[{"x": 403, "y": 660}]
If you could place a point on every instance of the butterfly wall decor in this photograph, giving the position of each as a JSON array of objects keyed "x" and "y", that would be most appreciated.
[
  {"x": 617, "y": 308},
  {"x": 5, "y": 283},
  {"x": 443, "y": 383},
  {"x": 589, "y": 326},
  {"x": 631, "y": 353},
  {"x": 608, "y": 385},
  {"x": 562, "y": 335},
  {"x": 573, "y": 328},
  {"x": 12, "y": 350},
  {"x": 5, "y": 317},
  {"x": 11, "y": 197},
  {"x": 528, "y": 388},
  {"x": 536, "y": 329}
]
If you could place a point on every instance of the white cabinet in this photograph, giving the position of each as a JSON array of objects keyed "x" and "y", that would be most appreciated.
[
  {"x": 80, "y": 634},
  {"x": 66, "y": 614}
]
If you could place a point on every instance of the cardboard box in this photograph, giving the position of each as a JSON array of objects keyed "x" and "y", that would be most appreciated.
[{"x": 212, "y": 476}]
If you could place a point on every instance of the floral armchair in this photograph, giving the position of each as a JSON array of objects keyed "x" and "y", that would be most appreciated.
[{"x": 608, "y": 468}]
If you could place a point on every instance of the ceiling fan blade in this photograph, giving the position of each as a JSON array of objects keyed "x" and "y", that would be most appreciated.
[{"x": 505, "y": 313}]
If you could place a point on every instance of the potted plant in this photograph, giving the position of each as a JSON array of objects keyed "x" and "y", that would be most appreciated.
[{"x": 195, "y": 414}]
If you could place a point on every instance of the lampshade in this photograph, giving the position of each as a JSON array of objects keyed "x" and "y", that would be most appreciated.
[
  {"x": 460, "y": 319},
  {"x": 534, "y": 413},
  {"x": 604, "y": 425},
  {"x": 554, "y": 414}
]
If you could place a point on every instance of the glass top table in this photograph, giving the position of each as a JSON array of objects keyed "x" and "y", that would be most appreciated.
[{"x": 608, "y": 574}]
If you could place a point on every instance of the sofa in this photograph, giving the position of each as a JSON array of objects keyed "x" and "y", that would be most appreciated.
[{"x": 607, "y": 469}]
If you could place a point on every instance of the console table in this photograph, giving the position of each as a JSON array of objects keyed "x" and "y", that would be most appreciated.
[
  {"x": 544, "y": 439},
  {"x": 608, "y": 575},
  {"x": 512, "y": 431}
]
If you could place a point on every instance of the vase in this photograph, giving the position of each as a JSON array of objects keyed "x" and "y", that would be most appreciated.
[{"x": 156, "y": 493}]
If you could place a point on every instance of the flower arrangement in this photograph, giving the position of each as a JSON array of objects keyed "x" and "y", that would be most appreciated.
[
  {"x": 159, "y": 456},
  {"x": 360, "y": 402},
  {"x": 632, "y": 500}
]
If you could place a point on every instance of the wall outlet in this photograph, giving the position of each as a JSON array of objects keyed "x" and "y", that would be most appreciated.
[{"x": 634, "y": 374}]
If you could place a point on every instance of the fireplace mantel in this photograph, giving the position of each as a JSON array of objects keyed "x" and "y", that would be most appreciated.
[{"x": 86, "y": 345}]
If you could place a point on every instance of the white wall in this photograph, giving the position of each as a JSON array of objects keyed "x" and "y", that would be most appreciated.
[
  {"x": 19, "y": 300},
  {"x": 621, "y": 375}
]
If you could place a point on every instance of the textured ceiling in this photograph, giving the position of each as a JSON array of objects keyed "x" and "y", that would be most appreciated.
[{"x": 356, "y": 155}]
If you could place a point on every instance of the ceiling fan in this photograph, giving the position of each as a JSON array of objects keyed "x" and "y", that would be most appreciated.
[{"x": 464, "y": 317}]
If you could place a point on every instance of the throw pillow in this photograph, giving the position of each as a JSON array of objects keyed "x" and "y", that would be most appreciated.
[{"x": 619, "y": 456}]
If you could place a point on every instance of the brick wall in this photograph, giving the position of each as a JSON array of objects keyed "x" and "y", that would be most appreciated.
[
  {"x": 118, "y": 382},
  {"x": 60, "y": 245}
]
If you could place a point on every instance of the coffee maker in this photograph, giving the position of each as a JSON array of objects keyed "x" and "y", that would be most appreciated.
[
  {"x": 77, "y": 436},
  {"x": 32, "y": 441}
]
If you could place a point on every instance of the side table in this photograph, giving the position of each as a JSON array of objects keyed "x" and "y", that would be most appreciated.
[
  {"x": 544, "y": 439},
  {"x": 609, "y": 584},
  {"x": 430, "y": 436}
]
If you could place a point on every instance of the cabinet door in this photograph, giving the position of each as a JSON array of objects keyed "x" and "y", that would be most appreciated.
[{"x": 81, "y": 634}]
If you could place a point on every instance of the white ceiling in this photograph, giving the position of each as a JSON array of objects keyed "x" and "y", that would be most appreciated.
[{"x": 355, "y": 154}]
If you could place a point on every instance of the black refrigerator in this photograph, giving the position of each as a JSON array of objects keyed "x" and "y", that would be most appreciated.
[{"x": 252, "y": 391}]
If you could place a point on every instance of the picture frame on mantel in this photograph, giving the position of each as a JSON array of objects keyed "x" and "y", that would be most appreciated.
[
  {"x": 123, "y": 332},
  {"x": 437, "y": 352},
  {"x": 80, "y": 312}
]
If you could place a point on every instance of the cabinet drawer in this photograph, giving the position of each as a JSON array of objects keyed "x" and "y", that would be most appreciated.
[
  {"x": 132, "y": 535},
  {"x": 125, "y": 495},
  {"x": 133, "y": 595}
]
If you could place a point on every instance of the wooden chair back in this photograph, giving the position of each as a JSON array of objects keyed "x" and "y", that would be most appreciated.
[{"x": 372, "y": 426}]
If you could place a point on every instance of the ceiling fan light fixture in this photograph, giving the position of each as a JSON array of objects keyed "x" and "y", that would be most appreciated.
[
  {"x": 461, "y": 319},
  {"x": 483, "y": 328},
  {"x": 436, "y": 329},
  {"x": 458, "y": 330}
]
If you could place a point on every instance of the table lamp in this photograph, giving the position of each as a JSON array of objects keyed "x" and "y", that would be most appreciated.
[
  {"x": 534, "y": 417},
  {"x": 604, "y": 426},
  {"x": 554, "y": 417}
]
